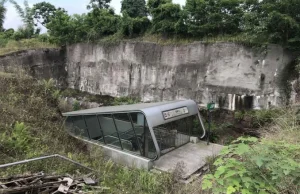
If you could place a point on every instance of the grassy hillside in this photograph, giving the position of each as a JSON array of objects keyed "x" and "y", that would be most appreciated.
[
  {"x": 9, "y": 46},
  {"x": 31, "y": 126}
]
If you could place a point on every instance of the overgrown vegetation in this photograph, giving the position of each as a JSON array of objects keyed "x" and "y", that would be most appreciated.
[
  {"x": 269, "y": 165},
  {"x": 80, "y": 98},
  {"x": 243, "y": 21},
  {"x": 10, "y": 46},
  {"x": 31, "y": 126}
]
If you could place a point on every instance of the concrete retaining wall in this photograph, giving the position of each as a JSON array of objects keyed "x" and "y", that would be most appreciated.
[
  {"x": 226, "y": 73},
  {"x": 232, "y": 75}
]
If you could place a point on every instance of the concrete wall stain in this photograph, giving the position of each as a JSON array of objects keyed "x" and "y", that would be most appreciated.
[{"x": 226, "y": 73}]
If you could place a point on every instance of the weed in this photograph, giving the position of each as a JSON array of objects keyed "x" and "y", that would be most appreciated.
[
  {"x": 76, "y": 105},
  {"x": 256, "y": 169},
  {"x": 31, "y": 126},
  {"x": 258, "y": 118},
  {"x": 12, "y": 46},
  {"x": 271, "y": 165},
  {"x": 125, "y": 100}
]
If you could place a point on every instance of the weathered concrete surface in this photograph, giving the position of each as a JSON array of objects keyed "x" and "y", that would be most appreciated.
[
  {"x": 230, "y": 74},
  {"x": 192, "y": 156},
  {"x": 223, "y": 72},
  {"x": 40, "y": 63}
]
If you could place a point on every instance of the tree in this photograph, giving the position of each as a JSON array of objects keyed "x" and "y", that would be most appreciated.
[
  {"x": 103, "y": 22},
  {"x": 42, "y": 12},
  {"x": 25, "y": 13},
  {"x": 281, "y": 27},
  {"x": 98, "y": 4},
  {"x": 60, "y": 28},
  {"x": 211, "y": 18},
  {"x": 2, "y": 16},
  {"x": 134, "y": 8},
  {"x": 275, "y": 21},
  {"x": 154, "y": 4},
  {"x": 132, "y": 27},
  {"x": 166, "y": 16}
]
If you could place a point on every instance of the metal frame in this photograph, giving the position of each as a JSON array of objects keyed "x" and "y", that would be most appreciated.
[
  {"x": 137, "y": 139},
  {"x": 150, "y": 116},
  {"x": 101, "y": 129},
  {"x": 43, "y": 158},
  {"x": 112, "y": 116}
]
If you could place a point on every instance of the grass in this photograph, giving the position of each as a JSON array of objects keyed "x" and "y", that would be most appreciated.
[
  {"x": 10, "y": 46},
  {"x": 285, "y": 126},
  {"x": 178, "y": 40},
  {"x": 269, "y": 164},
  {"x": 31, "y": 126},
  {"x": 14, "y": 46}
]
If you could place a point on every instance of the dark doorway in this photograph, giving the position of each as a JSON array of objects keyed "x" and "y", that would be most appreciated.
[{"x": 248, "y": 102}]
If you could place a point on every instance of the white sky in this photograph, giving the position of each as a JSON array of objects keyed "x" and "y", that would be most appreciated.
[{"x": 12, "y": 19}]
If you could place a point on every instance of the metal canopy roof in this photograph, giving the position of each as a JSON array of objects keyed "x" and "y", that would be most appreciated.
[{"x": 152, "y": 111}]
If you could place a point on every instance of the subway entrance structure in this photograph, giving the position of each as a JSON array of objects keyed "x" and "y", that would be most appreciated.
[{"x": 138, "y": 135}]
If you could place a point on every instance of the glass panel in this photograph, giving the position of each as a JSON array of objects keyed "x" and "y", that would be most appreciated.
[
  {"x": 69, "y": 124},
  {"x": 79, "y": 127},
  {"x": 109, "y": 130},
  {"x": 193, "y": 123},
  {"x": 94, "y": 128},
  {"x": 127, "y": 133},
  {"x": 176, "y": 133},
  {"x": 144, "y": 137}
]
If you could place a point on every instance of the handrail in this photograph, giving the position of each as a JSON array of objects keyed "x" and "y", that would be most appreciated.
[
  {"x": 202, "y": 125},
  {"x": 42, "y": 158}
]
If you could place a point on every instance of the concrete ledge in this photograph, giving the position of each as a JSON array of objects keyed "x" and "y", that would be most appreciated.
[
  {"x": 126, "y": 158},
  {"x": 194, "y": 139},
  {"x": 121, "y": 157}
]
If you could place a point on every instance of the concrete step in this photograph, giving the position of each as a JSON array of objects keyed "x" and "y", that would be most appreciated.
[{"x": 188, "y": 159}]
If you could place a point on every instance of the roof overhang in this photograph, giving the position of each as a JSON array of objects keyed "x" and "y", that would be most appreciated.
[{"x": 155, "y": 113}]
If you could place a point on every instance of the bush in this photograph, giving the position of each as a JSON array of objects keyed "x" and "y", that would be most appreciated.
[
  {"x": 76, "y": 105},
  {"x": 258, "y": 118},
  {"x": 249, "y": 166},
  {"x": 125, "y": 100},
  {"x": 17, "y": 140}
]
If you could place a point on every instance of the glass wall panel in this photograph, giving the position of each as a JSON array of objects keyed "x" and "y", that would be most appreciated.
[
  {"x": 110, "y": 133},
  {"x": 176, "y": 133},
  {"x": 94, "y": 128},
  {"x": 79, "y": 127},
  {"x": 144, "y": 136},
  {"x": 127, "y": 133},
  {"x": 69, "y": 124}
]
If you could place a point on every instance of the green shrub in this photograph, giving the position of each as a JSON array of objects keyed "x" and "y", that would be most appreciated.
[
  {"x": 76, "y": 105},
  {"x": 258, "y": 118},
  {"x": 125, "y": 100},
  {"x": 18, "y": 140},
  {"x": 249, "y": 166}
]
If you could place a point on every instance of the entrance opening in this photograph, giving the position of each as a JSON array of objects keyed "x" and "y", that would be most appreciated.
[
  {"x": 146, "y": 130},
  {"x": 248, "y": 102},
  {"x": 176, "y": 133}
]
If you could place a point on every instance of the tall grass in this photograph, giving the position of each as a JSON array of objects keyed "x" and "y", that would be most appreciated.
[
  {"x": 31, "y": 126},
  {"x": 34, "y": 43},
  {"x": 285, "y": 127}
]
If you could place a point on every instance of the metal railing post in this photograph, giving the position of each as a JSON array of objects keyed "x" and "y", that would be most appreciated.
[
  {"x": 130, "y": 118},
  {"x": 117, "y": 130},
  {"x": 86, "y": 127},
  {"x": 101, "y": 129}
]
